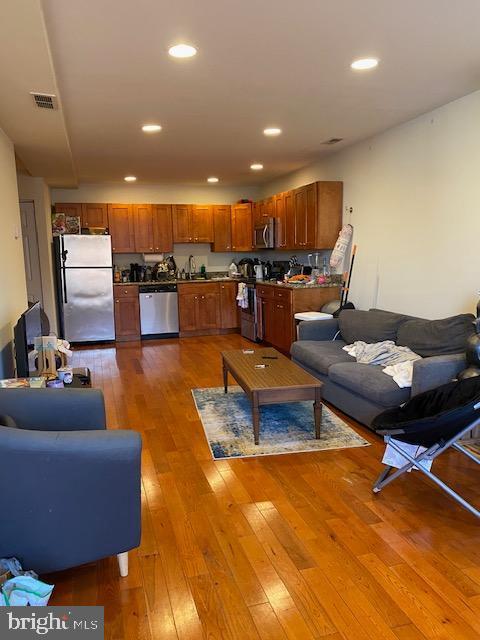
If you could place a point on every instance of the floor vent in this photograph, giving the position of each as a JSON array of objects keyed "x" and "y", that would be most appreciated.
[
  {"x": 44, "y": 100},
  {"x": 332, "y": 141}
]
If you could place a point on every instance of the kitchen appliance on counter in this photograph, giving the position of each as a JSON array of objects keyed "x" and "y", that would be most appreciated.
[
  {"x": 258, "y": 269},
  {"x": 246, "y": 268},
  {"x": 279, "y": 269},
  {"x": 84, "y": 279},
  {"x": 264, "y": 234},
  {"x": 159, "y": 310}
]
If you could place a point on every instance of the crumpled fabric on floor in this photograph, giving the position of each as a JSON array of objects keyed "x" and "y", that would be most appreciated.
[{"x": 21, "y": 591}]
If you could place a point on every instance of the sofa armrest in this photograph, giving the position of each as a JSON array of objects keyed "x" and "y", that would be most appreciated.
[
  {"x": 54, "y": 409},
  {"x": 68, "y": 497},
  {"x": 318, "y": 330},
  {"x": 432, "y": 372}
]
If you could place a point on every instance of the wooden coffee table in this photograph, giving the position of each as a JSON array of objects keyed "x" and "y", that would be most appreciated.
[{"x": 279, "y": 382}]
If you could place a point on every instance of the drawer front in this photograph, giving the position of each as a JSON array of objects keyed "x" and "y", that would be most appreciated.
[
  {"x": 129, "y": 291},
  {"x": 264, "y": 291},
  {"x": 197, "y": 288},
  {"x": 282, "y": 294}
]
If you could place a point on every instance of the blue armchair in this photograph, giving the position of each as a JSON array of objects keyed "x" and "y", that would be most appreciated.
[{"x": 70, "y": 489}]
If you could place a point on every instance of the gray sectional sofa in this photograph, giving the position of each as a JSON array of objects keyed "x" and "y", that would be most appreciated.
[{"x": 362, "y": 391}]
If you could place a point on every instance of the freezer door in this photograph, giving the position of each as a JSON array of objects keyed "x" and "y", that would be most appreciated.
[
  {"x": 87, "y": 251},
  {"x": 88, "y": 305}
]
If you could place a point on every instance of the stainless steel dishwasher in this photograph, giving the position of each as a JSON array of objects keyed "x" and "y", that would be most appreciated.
[{"x": 159, "y": 310}]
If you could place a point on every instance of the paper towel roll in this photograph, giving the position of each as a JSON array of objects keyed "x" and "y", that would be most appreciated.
[{"x": 152, "y": 258}]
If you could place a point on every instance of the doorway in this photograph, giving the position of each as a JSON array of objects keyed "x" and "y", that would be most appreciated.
[{"x": 31, "y": 255}]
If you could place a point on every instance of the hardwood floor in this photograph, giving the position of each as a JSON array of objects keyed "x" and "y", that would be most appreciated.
[{"x": 283, "y": 547}]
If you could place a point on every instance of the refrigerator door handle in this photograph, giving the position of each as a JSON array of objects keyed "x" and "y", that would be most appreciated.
[{"x": 63, "y": 254}]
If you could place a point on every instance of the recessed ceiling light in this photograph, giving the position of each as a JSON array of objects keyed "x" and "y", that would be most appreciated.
[
  {"x": 256, "y": 166},
  {"x": 212, "y": 179},
  {"x": 130, "y": 178},
  {"x": 151, "y": 128},
  {"x": 272, "y": 131},
  {"x": 182, "y": 50},
  {"x": 364, "y": 63}
]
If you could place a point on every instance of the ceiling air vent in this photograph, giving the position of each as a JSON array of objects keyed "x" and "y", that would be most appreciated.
[
  {"x": 44, "y": 100},
  {"x": 332, "y": 141}
]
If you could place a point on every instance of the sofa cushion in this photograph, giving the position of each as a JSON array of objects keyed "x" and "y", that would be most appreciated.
[
  {"x": 370, "y": 382},
  {"x": 318, "y": 355},
  {"x": 437, "y": 337},
  {"x": 369, "y": 326}
]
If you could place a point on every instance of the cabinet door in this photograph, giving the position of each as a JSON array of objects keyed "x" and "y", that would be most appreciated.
[
  {"x": 143, "y": 227},
  {"x": 311, "y": 215},
  {"x": 94, "y": 215},
  {"x": 222, "y": 227},
  {"x": 283, "y": 321},
  {"x": 162, "y": 227},
  {"x": 280, "y": 221},
  {"x": 127, "y": 318},
  {"x": 69, "y": 208},
  {"x": 188, "y": 311},
  {"x": 121, "y": 226},
  {"x": 202, "y": 217},
  {"x": 269, "y": 209},
  {"x": 289, "y": 212},
  {"x": 182, "y": 223},
  {"x": 208, "y": 311},
  {"x": 268, "y": 320},
  {"x": 228, "y": 305},
  {"x": 299, "y": 217},
  {"x": 242, "y": 230},
  {"x": 329, "y": 221}
]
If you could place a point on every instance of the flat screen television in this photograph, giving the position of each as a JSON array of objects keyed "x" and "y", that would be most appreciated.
[{"x": 28, "y": 327}]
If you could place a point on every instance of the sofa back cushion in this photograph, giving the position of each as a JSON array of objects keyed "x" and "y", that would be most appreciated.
[
  {"x": 436, "y": 337},
  {"x": 369, "y": 326}
]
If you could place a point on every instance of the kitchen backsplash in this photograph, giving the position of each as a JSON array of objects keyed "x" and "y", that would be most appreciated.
[{"x": 213, "y": 262}]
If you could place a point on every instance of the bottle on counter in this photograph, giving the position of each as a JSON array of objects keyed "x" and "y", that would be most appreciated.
[
  {"x": 203, "y": 271},
  {"x": 117, "y": 276}
]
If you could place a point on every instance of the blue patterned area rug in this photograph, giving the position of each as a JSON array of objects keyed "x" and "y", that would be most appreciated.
[{"x": 284, "y": 428}]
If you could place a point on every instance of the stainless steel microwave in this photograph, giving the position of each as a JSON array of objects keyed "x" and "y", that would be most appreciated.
[{"x": 264, "y": 234}]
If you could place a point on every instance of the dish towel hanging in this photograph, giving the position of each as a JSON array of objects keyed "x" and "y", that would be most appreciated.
[{"x": 242, "y": 295}]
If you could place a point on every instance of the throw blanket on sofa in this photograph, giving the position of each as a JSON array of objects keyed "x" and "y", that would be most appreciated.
[{"x": 398, "y": 361}]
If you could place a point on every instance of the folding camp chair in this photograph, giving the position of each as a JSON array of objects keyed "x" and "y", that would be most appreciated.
[{"x": 435, "y": 420}]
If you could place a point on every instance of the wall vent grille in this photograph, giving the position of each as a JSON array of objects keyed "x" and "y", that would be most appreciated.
[{"x": 44, "y": 100}]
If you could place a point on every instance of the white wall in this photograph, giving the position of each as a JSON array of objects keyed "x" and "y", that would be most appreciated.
[
  {"x": 161, "y": 194},
  {"x": 415, "y": 193},
  {"x": 13, "y": 297},
  {"x": 36, "y": 189}
]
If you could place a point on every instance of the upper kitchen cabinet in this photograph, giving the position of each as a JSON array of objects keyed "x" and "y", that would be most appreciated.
[
  {"x": 305, "y": 216},
  {"x": 202, "y": 223},
  {"x": 222, "y": 227},
  {"x": 329, "y": 220},
  {"x": 122, "y": 228},
  {"x": 162, "y": 227},
  {"x": 94, "y": 215},
  {"x": 143, "y": 228},
  {"x": 69, "y": 208},
  {"x": 182, "y": 223},
  {"x": 280, "y": 203},
  {"x": 242, "y": 228}
]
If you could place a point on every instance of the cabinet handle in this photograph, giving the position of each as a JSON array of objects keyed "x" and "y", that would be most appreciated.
[
  {"x": 117, "y": 301},
  {"x": 196, "y": 297},
  {"x": 113, "y": 248},
  {"x": 151, "y": 247},
  {"x": 279, "y": 306},
  {"x": 203, "y": 297}
]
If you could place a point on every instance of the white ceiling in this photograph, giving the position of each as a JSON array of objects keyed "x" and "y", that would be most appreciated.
[{"x": 260, "y": 63}]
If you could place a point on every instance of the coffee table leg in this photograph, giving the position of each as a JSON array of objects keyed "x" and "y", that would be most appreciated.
[
  {"x": 225, "y": 377},
  {"x": 256, "y": 418},
  {"x": 317, "y": 412}
]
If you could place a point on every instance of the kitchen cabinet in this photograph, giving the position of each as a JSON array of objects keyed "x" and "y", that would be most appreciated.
[
  {"x": 162, "y": 228},
  {"x": 69, "y": 209},
  {"x": 94, "y": 215},
  {"x": 277, "y": 306},
  {"x": 329, "y": 217},
  {"x": 202, "y": 223},
  {"x": 283, "y": 208},
  {"x": 305, "y": 216},
  {"x": 143, "y": 228},
  {"x": 192, "y": 223},
  {"x": 127, "y": 312},
  {"x": 182, "y": 223},
  {"x": 229, "y": 316},
  {"x": 121, "y": 226},
  {"x": 242, "y": 228},
  {"x": 222, "y": 227}
]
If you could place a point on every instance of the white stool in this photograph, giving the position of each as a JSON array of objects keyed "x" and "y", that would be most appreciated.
[{"x": 306, "y": 316}]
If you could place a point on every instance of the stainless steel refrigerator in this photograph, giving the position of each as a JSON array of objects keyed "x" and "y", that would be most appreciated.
[{"x": 84, "y": 276}]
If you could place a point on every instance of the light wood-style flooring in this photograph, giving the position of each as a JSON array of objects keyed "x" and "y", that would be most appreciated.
[{"x": 284, "y": 547}]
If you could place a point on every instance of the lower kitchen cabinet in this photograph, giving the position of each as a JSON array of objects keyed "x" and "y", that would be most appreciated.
[
  {"x": 127, "y": 313},
  {"x": 207, "y": 308},
  {"x": 277, "y": 306}
]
